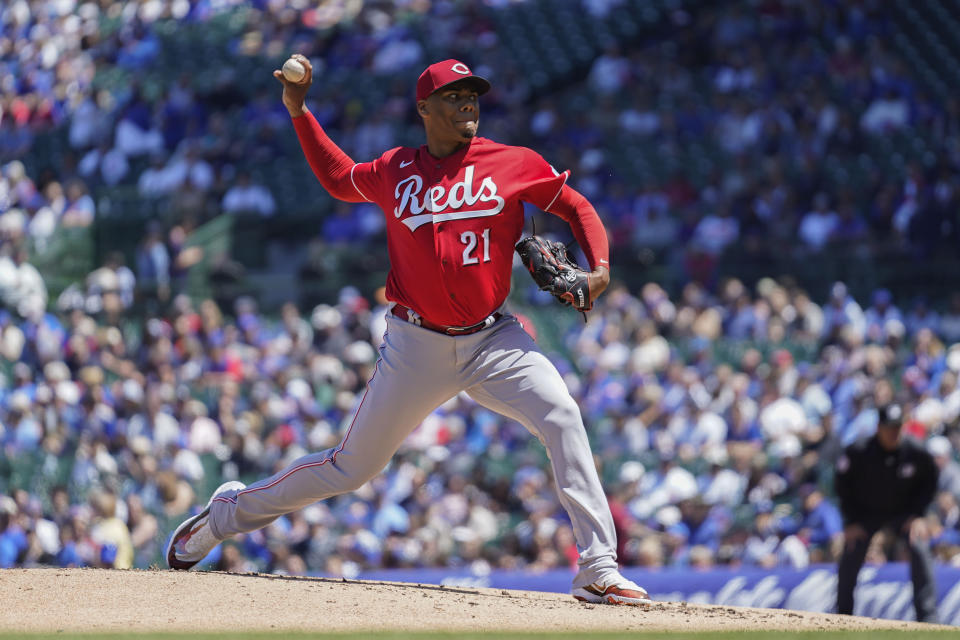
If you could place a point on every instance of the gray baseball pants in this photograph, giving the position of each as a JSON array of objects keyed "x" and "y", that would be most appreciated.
[{"x": 502, "y": 369}]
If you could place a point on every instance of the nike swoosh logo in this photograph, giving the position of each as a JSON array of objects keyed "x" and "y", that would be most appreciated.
[{"x": 406, "y": 164}]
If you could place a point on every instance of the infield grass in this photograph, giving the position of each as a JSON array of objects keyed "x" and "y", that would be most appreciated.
[{"x": 495, "y": 635}]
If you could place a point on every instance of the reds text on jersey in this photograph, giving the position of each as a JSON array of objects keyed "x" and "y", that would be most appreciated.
[{"x": 452, "y": 223}]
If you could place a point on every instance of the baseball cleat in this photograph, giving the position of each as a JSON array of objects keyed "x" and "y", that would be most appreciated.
[
  {"x": 194, "y": 539},
  {"x": 614, "y": 589}
]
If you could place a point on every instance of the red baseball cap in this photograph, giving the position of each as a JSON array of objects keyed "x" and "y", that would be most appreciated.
[{"x": 440, "y": 74}]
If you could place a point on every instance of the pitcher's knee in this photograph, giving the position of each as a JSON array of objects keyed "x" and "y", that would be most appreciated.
[
  {"x": 353, "y": 476},
  {"x": 564, "y": 415}
]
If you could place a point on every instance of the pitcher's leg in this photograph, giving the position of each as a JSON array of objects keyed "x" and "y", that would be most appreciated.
[
  {"x": 518, "y": 381},
  {"x": 407, "y": 384}
]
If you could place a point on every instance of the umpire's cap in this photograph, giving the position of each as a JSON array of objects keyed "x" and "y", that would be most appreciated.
[{"x": 890, "y": 415}]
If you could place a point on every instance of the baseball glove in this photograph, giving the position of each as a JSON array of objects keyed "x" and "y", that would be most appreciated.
[{"x": 554, "y": 271}]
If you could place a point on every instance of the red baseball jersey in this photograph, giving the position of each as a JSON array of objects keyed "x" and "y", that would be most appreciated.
[{"x": 452, "y": 223}]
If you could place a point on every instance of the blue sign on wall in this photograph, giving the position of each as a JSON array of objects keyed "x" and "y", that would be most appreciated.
[{"x": 882, "y": 592}]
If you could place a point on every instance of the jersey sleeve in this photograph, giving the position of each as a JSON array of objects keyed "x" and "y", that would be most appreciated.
[
  {"x": 547, "y": 188},
  {"x": 328, "y": 161},
  {"x": 340, "y": 175},
  {"x": 368, "y": 178},
  {"x": 540, "y": 182},
  {"x": 365, "y": 178}
]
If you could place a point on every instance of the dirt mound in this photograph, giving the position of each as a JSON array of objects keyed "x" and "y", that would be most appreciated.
[{"x": 102, "y": 600}]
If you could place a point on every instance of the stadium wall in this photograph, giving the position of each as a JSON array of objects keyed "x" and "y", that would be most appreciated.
[{"x": 882, "y": 592}]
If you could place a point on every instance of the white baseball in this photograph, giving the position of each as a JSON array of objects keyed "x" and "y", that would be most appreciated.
[{"x": 293, "y": 70}]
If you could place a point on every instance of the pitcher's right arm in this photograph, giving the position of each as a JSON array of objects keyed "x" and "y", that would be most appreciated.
[{"x": 333, "y": 167}]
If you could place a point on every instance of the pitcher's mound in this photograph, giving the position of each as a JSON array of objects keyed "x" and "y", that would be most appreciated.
[{"x": 105, "y": 600}]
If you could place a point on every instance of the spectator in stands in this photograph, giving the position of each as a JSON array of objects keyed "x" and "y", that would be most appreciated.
[
  {"x": 153, "y": 181},
  {"x": 762, "y": 545},
  {"x": 13, "y": 540},
  {"x": 841, "y": 314},
  {"x": 245, "y": 196},
  {"x": 820, "y": 526},
  {"x": 80, "y": 208},
  {"x": 110, "y": 532},
  {"x": 17, "y": 188},
  {"x": 921, "y": 317},
  {"x": 143, "y": 529},
  {"x": 888, "y": 112},
  {"x": 45, "y": 218},
  {"x": 343, "y": 227},
  {"x": 188, "y": 168},
  {"x": 21, "y": 286},
  {"x": 948, "y": 478},
  {"x": 90, "y": 120},
  {"x": 716, "y": 231},
  {"x": 949, "y": 324},
  {"x": 135, "y": 135},
  {"x": 851, "y": 229},
  {"x": 15, "y": 141},
  {"x": 104, "y": 163},
  {"x": 153, "y": 265},
  {"x": 879, "y": 314},
  {"x": 111, "y": 288},
  {"x": 819, "y": 225},
  {"x": 610, "y": 71}
]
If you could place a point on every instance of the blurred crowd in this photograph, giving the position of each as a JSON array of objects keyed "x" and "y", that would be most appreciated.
[
  {"x": 716, "y": 413},
  {"x": 746, "y": 125},
  {"x": 730, "y": 411},
  {"x": 716, "y": 419}
]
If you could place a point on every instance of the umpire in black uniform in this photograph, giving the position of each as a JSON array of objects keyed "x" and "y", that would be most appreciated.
[{"x": 887, "y": 480}]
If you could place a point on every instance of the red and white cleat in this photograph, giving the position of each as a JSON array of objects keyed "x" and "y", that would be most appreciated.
[
  {"x": 193, "y": 539},
  {"x": 614, "y": 589}
]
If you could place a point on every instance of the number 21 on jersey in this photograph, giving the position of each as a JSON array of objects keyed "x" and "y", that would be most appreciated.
[{"x": 471, "y": 251}]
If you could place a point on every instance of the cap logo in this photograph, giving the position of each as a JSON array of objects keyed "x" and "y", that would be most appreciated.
[{"x": 461, "y": 69}]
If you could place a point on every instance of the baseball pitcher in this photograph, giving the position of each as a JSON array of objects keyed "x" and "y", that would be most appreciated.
[{"x": 454, "y": 216}]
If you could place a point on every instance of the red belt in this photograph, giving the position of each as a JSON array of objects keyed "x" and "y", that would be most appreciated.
[{"x": 403, "y": 313}]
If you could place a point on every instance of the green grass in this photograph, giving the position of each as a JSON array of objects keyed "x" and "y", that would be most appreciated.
[{"x": 414, "y": 635}]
